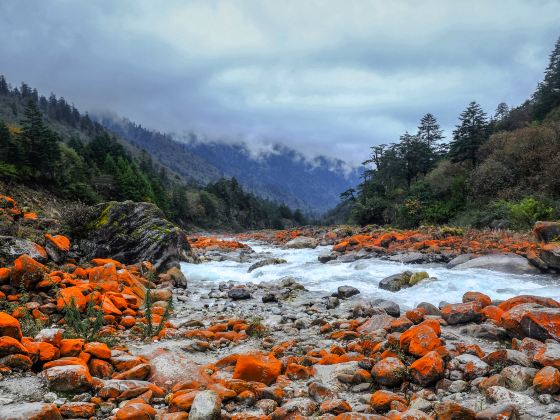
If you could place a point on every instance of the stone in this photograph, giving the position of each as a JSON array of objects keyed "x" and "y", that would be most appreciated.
[
  {"x": 381, "y": 400},
  {"x": 30, "y": 411},
  {"x": 518, "y": 378},
  {"x": 547, "y": 231},
  {"x": 429, "y": 308},
  {"x": 505, "y": 263},
  {"x": 419, "y": 340},
  {"x": 418, "y": 277},
  {"x": 450, "y": 410},
  {"x": 9, "y": 326},
  {"x": 28, "y": 272},
  {"x": 541, "y": 323},
  {"x": 12, "y": 248},
  {"x": 499, "y": 394},
  {"x": 498, "y": 412},
  {"x": 396, "y": 282},
  {"x": 547, "y": 380},
  {"x": 389, "y": 372},
  {"x": 459, "y": 259},
  {"x": 68, "y": 378},
  {"x": 345, "y": 292},
  {"x": 462, "y": 313},
  {"x": 428, "y": 369},
  {"x": 550, "y": 256},
  {"x": 257, "y": 367},
  {"x": 302, "y": 242},
  {"x": 471, "y": 366},
  {"x": 239, "y": 293},
  {"x": 549, "y": 354},
  {"x": 77, "y": 410},
  {"x": 268, "y": 261},
  {"x": 206, "y": 406},
  {"x": 481, "y": 298},
  {"x": 136, "y": 411},
  {"x": 130, "y": 232}
]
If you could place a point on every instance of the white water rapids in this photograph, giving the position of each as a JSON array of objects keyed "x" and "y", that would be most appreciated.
[{"x": 365, "y": 275}]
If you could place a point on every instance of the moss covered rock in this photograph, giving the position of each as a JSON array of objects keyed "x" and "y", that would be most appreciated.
[{"x": 131, "y": 232}]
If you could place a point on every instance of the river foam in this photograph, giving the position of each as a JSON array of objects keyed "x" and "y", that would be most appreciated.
[{"x": 366, "y": 274}]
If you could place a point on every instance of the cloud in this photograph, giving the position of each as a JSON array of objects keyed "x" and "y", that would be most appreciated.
[{"x": 324, "y": 77}]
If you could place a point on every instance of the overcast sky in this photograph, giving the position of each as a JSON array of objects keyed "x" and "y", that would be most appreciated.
[{"x": 325, "y": 77}]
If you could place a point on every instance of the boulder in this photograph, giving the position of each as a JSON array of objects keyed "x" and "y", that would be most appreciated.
[
  {"x": 462, "y": 313},
  {"x": 12, "y": 248},
  {"x": 459, "y": 259},
  {"x": 451, "y": 410},
  {"x": 506, "y": 263},
  {"x": 541, "y": 323},
  {"x": 396, "y": 282},
  {"x": 302, "y": 242},
  {"x": 68, "y": 378},
  {"x": 428, "y": 369},
  {"x": 419, "y": 340},
  {"x": 389, "y": 372},
  {"x": 30, "y": 411},
  {"x": 381, "y": 400},
  {"x": 418, "y": 277},
  {"x": 206, "y": 405},
  {"x": 547, "y": 231},
  {"x": 257, "y": 367},
  {"x": 130, "y": 232},
  {"x": 499, "y": 411},
  {"x": 550, "y": 255},
  {"x": 239, "y": 293},
  {"x": 547, "y": 380},
  {"x": 268, "y": 261},
  {"x": 345, "y": 292}
]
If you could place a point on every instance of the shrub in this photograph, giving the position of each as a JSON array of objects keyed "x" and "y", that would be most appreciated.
[
  {"x": 85, "y": 326},
  {"x": 526, "y": 212}
]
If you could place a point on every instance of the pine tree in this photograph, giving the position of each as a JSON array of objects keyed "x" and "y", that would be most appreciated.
[
  {"x": 547, "y": 95},
  {"x": 502, "y": 111},
  {"x": 429, "y": 131},
  {"x": 469, "y": 134},
  {"x": 4, "y": 89}
]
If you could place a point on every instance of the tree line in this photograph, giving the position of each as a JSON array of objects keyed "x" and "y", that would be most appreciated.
[
  {"x": 496, "y": 171},
  {"x": 48, "y": 143}
]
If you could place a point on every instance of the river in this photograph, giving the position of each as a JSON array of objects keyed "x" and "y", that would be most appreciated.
[{"x": 366, "y": 274}]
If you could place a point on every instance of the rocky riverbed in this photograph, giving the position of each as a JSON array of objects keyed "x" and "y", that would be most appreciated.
[{"x": 298, "y": 327}]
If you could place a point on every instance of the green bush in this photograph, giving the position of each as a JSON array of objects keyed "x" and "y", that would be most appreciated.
[{"x": 526, "y": 212}]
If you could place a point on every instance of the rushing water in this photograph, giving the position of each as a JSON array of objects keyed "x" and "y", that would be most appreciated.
[{"x": 366, "y": 274}]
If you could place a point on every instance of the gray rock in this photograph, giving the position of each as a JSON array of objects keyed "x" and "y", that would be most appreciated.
[
  {"x": 345, "y": 292},
  {"x": 131, "y": 232},
  {"x": 518, "y": 378},
  {"x": 470, "y": 365},
  {"x": 30, "y": 411},
  {"x": 206, "y": 405},
  {"x": 302, "y": 242},
  {"x": 239, "y": 293},
  {"x": 395, "y": 282},
  {"x": 429, "y": 308},
  {"x": 506, "y": 263},
  {"x": 392, "y": 308},
  {"x": 413, "y": 257},
  {"x": 498, "y": 411},
  {"x": 268, "y": 261},
  {"x": 325, "y": 258},
  {"x": 459, "y": 259},
  {"x": 547, "y": 231},
  {"x": 12, "y": 248}
]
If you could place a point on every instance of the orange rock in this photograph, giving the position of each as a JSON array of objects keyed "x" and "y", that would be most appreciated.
[
  {"x": 416, "y": 315},
  {"x": 69, "y": 295},
  {"x": 9, "y": 345},
  {"x": 136, "y": 411},
  {"x": 100, "y": 368},
  {"x": 5, "y": 275},
  {"x": 493, "y": 313},
  {"x": 389, "y": 372},
  {"x": 336, "y": 406},
  {"x": 381, "y": 400},
  {"x": 449, "y": 410},
  {"x": 139, "y": 372},
  {"x": 419, "y": 340},
  {"x": 257, "y": 367},
  {"x": 182, "y": 400},
  {"x": 518, "y": 300},
  {"x": 461, "y": 313},
  {"x": 28, "y": 270},
  {"x": 109, "y": 308},
  {"x": 9, "y": 326},
  {"x": 481, "y": 298},
  {"x": 60, "y": 242},
  {"x": 99, "y": 350},
  {"x": 295, "y": 371},
  {"x": 71, "y": 346},
  {"x": 547, "y": 380},
  {"x": 428, "y": 369},
  {"x": 64, "y": 361},
  {"x": 48, "y": 352},
  {"x": 77, "y": 410},
  {"x": 30, "y": 216}
]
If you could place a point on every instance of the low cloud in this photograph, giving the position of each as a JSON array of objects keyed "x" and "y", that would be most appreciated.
[{"x": 324, "y": 77}]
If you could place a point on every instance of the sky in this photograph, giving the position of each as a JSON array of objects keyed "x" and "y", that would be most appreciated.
[{"x": 324, "y": 77}]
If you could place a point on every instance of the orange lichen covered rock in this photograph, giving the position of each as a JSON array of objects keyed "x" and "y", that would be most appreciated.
[
  {"x": 419, "y": 340},
  {"x": 5, "y": 275},
  {"x": 481, "y": 298},
  {"x": 27, "y": 269},
  {"x": 462, "y": 313},
  {"x": 389, "y": 372},
  {"x": 9, "y": 345},
  {"x": 60, "y": 242},
  {"x": 257, "y": 367},
  {"x": 99, "y": 350},
  {"x": 214, "y": 243},
  {"x": 381, "y": 400},
  {"x": 428, "y": 369},
  {"x": 518, "y": 300},
  {"x": 547, "y": 380},
  {"x": 9, "y": 326},
  {"x": 136, "y": 411},
  {"x": 71, "y": 295},
  {"x": 71, "y": 347}
]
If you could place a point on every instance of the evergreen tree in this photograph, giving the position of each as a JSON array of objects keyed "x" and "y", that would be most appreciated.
[
  {"x": 429, "y": 131},
  {"x": 502, "y": 111},
  {"x": 469, "y": 134},
  {"x": 547, "y": 95},
  {"x": 4, "y": 89}
]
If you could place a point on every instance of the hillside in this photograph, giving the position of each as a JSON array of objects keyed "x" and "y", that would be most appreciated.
[
  {"x": 282, "y": 175},
  {"x": 498, "y": 171},
  {"x": 47, "y": 144}
]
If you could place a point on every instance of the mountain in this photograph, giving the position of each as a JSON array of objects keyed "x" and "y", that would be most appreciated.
[{"x": 281, "y": 174}]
